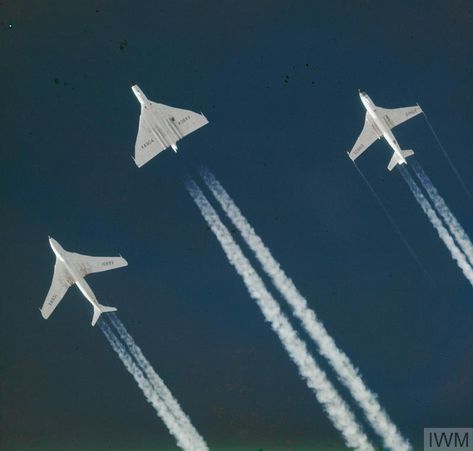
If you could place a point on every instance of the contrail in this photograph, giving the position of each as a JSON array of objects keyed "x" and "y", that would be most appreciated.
[
  {"x": 455, "y": 252},
  {"x": 391, "y": 220},
  {"x": 159, "y": 386},
  {"x": 336, "y": 408},
  {"x": 339, "y": 361},
  {"x": 450, "y": 162},
  {"x": 151, "y": 396},
  {"x": 462, "y": 239}
]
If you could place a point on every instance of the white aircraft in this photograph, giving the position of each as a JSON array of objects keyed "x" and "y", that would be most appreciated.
[
  {"x": 161, "y": 127},
  {"x": 70, "y": 269},
  {"x": 378, "y": 124}
]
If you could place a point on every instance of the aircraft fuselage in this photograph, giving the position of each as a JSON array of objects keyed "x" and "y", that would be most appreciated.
[
  {"x": 384, "y": 130},
  {"x": 163, "y": 130},
  {"x": 75, "y": 277}
]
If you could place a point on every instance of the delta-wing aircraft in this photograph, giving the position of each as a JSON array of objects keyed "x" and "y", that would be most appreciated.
[
  {"x": 70, "y": 269},
  {"x": 378, "y": 124},
  {"x": 161, "y": 126}
]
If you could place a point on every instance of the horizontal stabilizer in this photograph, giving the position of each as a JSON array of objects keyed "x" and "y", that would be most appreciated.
[
  {"x": 399, "y": 159},
  {"x": 99, "y": 311}
]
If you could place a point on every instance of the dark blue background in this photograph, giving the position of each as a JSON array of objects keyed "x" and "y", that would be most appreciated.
[{"x": 278, "y": 82}]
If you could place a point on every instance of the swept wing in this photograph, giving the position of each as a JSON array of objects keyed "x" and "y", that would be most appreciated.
[
  {"x": 59, "y": 285},
  {"x": 368, "y": 136},
  {"x": 86, "y": 264},
  {"x": 394, "y": 117},
  {"x": 147, "y": 144}
]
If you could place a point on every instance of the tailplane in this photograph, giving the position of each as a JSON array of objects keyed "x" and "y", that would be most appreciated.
[
  {"x": 101, "y": 309},
  {"x": 396, "y": 159}
]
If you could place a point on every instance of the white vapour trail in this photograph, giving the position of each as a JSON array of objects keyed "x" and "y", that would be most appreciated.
[
  {"x": 159, "y": 386},
  {"x": 151, "y": 396},
  {"x": 339, "y": 361},
  {"x": 455, "y": 252},
  {"x": 450, "y": 162},
  {"x": 462, "y": 239},
  {"x": 336, "y": 408}
]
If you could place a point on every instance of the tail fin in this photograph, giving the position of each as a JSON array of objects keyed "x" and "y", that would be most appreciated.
[
  {"x": 99, "y": 311},
  {"x": 396, "y": 159}
]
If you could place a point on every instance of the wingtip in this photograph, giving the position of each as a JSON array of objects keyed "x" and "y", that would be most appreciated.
[
  {"x": 134, "y": 161},
  {"x": 137, "y": 164},
  {"x": 123, "y": 259}
]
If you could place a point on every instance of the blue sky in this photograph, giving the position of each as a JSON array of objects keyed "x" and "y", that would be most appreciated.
[{"x": 278, "y": 82}]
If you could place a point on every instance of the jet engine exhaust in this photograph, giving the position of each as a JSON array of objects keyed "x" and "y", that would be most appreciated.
[
  {"x": 158, "y": 385},
  {"x": 337, "y": 410},
  {"x": 392, "y": 221},
  {"x": 450, "y": 162},
  {"x": 339, "y": 361},
  {"x": 184, "y": 440},
  {"x": 442, "y": 232},
  {"x": 462, "y": 239}
]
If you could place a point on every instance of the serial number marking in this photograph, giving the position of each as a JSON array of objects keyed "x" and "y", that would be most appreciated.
[
  {"x": 53, "y": 298},
  {"x": 108, "y": 263},
  {"x": 147, "y": 143},
  {"x": 184, "y": 119}
]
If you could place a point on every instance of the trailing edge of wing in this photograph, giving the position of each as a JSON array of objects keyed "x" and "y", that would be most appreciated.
[
  {"x": 184, "y": 122},
  {"x": 367, "y": 137},
  {"x": 59, "y": 286},
  {"x": 161, "y": 126},
  {"x": 147, "y": 145},
  {"x": 89, "y": 265},
  {"x": 394, "y": 117}
]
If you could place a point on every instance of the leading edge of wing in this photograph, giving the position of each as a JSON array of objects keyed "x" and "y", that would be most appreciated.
[
  {"x": 58, "y": 289},
  {"x": 367, "y": 137},
  {"x": 87, "y": 264},
  {"x": 147, "y": 145}
]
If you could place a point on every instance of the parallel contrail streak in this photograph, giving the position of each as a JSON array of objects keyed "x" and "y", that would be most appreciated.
[
  {"x": 340, "y": 362},
  {"x": 159, "y": 386},
  {"x": 450, "y": 162},
  {"x": 391, "y": 220},
  {"x": 462, "y": 239},
  {"x": 151, "y": 396},
  {"x": 336, "y": 408},
  {"x": 455, "y": 252}
]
